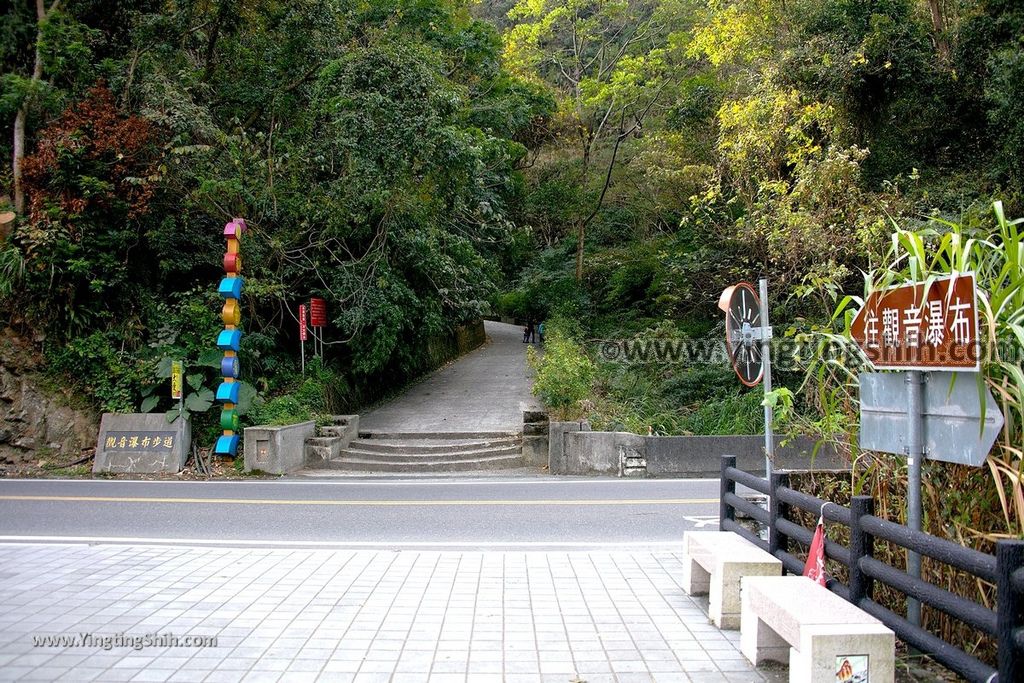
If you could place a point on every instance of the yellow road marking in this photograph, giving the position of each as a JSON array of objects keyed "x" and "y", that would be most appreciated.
[{"x": 375, "y": 503}]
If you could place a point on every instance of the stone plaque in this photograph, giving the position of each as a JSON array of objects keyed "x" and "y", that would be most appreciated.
[{"x": 142, "y": 442}]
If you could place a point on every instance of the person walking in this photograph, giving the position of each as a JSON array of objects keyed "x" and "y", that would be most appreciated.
[{"x": 540, "y": 332}]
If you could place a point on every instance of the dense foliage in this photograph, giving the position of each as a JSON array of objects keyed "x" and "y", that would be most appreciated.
[
  {"x": 765, "y": 138},
  {"x": 372, "y": 148},
  {"x": 829, "y": 145},
  {"x": 609, "y": 166}
]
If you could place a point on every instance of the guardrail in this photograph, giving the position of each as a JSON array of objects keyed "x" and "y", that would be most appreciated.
[{"x": 1004, "y": 570}]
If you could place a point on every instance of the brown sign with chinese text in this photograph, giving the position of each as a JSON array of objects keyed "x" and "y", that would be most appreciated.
[{"x": 906, "y": 328}]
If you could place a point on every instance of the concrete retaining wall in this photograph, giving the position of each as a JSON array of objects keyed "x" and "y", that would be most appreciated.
[
  {"x": 277, "y": 450},
  {"x": 556, "y": 443},
  {"x": 696, "y": 456},
  {"x": 573, "y": 449},
  {"x": 536, "y": 430},
  {"x": 459, "y": 341}
]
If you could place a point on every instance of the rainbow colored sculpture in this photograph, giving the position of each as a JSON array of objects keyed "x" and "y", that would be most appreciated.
[{"x": 230, "y": 338}]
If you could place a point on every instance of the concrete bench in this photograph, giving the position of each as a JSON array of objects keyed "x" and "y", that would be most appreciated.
[
  {"x": 791, "y": 618},
  {"x": 714, "y": 562}
]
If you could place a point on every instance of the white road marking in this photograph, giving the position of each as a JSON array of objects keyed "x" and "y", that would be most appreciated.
[
  {"x": 369, "y": 482},
  {"x": 221, "y": 542},
  {"x": 701, "y": 521}
]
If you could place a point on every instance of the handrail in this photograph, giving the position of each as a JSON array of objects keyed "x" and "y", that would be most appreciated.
[
  {"x": 977, "y": 563},
  {"x": 1005, "y": 570}
]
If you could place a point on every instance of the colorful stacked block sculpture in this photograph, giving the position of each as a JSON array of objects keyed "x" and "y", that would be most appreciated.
[{"x": 230, "y": 338}]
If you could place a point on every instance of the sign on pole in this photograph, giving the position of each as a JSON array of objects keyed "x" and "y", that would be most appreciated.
[
  {"x": 921, "y": 328},
  {"x": 317, "y": 312},
  {"x": 955, "y": 426},
  {"x": 748, "y": 337},
  {"x": 302, "y": 336},
  {"x": 177, "y": 371},
  {"x": 907, "y": 328}
]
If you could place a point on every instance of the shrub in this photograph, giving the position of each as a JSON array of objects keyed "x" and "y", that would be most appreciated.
[
  {"x": 95, "y": 366},
  {"x": 281, "y": 410},
  {"x": 565, "y": 374}
]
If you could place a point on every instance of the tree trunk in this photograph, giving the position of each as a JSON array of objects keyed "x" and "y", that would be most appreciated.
[
  {"x": 581, "y": 226},
  {"x": 19, "y": 154},
  {"x": 580, "y": 234},
  {"x": 22, "y": 115},
  {"x": 939, "y": 27}
]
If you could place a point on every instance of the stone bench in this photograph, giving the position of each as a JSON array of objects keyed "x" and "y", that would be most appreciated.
[
  {"x": 714, "y": 562},
  {"x": 791, "y": 618}
]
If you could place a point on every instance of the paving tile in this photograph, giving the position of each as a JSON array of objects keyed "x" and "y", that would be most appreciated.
[
  {"x": 635, "y": 678},
  {"x": 117, "y": 675},
  {"x": 341, "y": 615},
  {"x": 262, "y": 677},
  {"x": 153, "y": 675}
]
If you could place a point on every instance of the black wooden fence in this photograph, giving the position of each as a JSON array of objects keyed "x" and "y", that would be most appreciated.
[{"x": 1004, "y": 570}]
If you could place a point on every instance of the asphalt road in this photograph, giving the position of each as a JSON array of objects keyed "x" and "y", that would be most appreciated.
[{"x": 514, "y": 513}]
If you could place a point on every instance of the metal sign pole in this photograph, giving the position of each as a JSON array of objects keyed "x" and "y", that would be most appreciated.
[
  {"x": 915, "y": 454},
  {"x": 302, "y": 336},
  {"x": 766, "y": 360}
]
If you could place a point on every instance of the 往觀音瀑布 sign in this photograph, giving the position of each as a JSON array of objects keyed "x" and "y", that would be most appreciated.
[{"x": 921, "y": 326}]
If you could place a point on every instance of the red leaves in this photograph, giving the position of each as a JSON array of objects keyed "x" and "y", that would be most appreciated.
[{"x": 92, "y": 157}]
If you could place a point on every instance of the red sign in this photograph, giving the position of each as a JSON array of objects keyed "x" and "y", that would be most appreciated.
[
  {"x": 317, "y": 312},
  {"x": 302, "y": 322},
  {"x": 903, "y": 328}
]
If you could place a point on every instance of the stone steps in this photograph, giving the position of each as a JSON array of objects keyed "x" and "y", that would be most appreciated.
[
  {"x": 333, "y": 438},
  {"x": 488, "y": 463},
  {"x": 410, "y": 446},
  {"x": 450, "y": 456},
  {"x": 429, "y": 452},
  {"x": 438, "y": 436}
]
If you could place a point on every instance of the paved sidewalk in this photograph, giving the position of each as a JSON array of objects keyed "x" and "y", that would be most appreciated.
[
  {"x": 367, "y": 615},
  {"x": 479, "y": 392}
]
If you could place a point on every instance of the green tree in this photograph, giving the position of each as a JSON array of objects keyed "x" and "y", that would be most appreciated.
[{"x": 610, "y": 62}]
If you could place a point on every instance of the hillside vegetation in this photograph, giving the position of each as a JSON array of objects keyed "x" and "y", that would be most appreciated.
[
  {"x": 373, "y": 149},
  {"x": 831, "y": 146},
  {"x": 699, "y": 143},
  {"x": 607, "y": 166}
]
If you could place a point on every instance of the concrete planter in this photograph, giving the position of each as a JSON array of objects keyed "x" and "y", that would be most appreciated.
[{"x": 277, "y": 450}]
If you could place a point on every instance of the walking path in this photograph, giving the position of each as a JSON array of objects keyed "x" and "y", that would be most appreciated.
[
  {"x": 480, "y": 392},
  {"x": 361, "y": 615}
]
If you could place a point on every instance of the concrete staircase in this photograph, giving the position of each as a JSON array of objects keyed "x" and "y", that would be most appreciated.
[
  {"x": 331, "y": 439},
  {"x": 424, "y": 451}
]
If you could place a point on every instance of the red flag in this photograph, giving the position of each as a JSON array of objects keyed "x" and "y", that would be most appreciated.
[{"x": 815, "y": 567}]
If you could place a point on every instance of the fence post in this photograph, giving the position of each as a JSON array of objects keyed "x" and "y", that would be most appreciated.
[
  {"x": 777, "y": 510},
  {"x": 727, "y": 486},
  {"x": 862, "y": 544},
  {"x": 1010, "y": 609}
]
